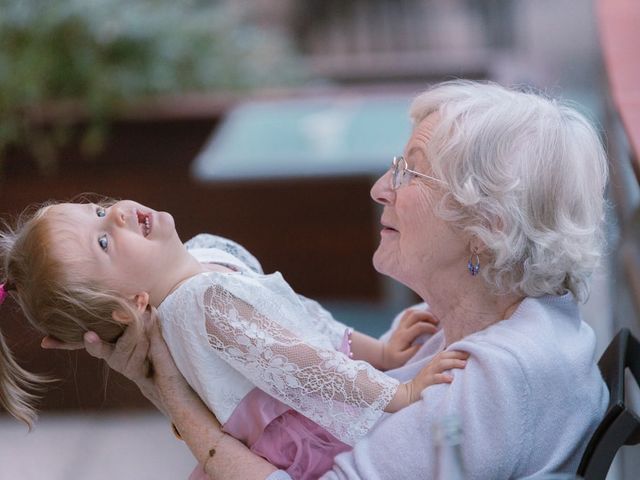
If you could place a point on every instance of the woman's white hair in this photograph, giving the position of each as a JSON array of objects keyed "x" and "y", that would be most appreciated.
[{"x": 526, "y": 175}]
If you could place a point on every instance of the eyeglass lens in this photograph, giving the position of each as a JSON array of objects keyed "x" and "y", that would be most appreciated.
[{"x": 397, "y": 173}]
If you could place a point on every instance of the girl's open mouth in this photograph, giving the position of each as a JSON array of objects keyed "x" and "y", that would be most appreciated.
[{"x": 144, "y": 220}]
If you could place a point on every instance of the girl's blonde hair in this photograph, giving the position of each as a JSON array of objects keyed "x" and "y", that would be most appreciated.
[{"x": 56, "y": 302}]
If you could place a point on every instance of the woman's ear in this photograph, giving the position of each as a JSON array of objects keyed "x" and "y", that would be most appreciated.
[
  {"x": 476, "y": 246},
  {"x": 140, "y": 304}
]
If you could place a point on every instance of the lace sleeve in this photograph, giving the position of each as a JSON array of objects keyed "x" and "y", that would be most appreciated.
[
  {"x": 324, "y": 322},
  {"x": 248, "y": 325}
]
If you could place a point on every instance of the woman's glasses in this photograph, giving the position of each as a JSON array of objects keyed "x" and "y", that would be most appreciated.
[{"x": 401, "y": 174}]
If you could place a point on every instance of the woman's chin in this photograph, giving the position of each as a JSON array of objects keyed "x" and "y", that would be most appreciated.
[{"x": 382, "y": 262}]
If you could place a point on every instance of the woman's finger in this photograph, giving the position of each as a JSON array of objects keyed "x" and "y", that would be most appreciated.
[
  {"x": 151, "y": 321},
  {"x": 161, "y": 358},
  {"x": 129, "y": 339},
  {"x": 155, "y": 333},
  {"x": 130, "y": 351},
  {"x": 52, "y": 343},
  {"x": 96, "y": 347}
]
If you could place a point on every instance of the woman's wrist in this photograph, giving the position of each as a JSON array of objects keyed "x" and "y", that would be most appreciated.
[
  {"x": 150, "y": 391},
  {"x": 232, "y": 460},
  {"x": 221, "y": 456}
]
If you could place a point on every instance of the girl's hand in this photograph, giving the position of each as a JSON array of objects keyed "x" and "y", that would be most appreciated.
[
  {"x": 400, "y": 346},
  {"x": 431, "y": 374}
]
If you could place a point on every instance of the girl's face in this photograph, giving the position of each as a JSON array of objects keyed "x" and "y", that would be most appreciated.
[{"x": 126, "y": 247}]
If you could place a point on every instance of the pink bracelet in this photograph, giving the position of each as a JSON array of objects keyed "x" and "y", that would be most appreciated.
[{"x": 346, "y": 343}]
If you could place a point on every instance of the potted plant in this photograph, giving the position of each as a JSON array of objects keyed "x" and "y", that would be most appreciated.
[{"x": 72, "y": 61}]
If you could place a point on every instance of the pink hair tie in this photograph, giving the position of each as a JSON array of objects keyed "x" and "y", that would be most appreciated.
[{"x": 5, "y": 288}]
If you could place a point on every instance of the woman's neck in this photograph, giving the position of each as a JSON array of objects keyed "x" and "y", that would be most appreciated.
[{"x": 471, "y": 310}]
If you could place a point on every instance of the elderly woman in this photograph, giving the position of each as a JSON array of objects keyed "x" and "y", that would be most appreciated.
[{"x": 493, "y": 216}]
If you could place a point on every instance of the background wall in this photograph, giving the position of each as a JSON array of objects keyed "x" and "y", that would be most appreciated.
[{"x": 308, "y": 228}]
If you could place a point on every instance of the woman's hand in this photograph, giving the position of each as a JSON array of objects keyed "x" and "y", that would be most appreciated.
[
  {"x": 165, "y": 373},
  {"x": 222, "y": 456},
  {"x": 161, "y": 382},
  {"x": 128, "y": 356},
  {"x": 400, "y": 347}
]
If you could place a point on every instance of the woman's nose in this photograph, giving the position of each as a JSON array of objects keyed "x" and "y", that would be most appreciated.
[{"x": 381, "y": 191}]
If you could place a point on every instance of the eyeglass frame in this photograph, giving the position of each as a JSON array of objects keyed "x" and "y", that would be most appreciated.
[{"x": 397, "y": 169}]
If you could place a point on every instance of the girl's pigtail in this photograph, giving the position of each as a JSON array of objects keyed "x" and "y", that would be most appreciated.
[
  {"x": 14, "y": 380},
  {"x": 18, "y": 387}
]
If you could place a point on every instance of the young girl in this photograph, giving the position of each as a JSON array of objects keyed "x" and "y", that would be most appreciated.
[{"x": 264, "y": 359}]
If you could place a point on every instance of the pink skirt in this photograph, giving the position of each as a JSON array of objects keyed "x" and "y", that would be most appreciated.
[{"x": 284, "y": 437}]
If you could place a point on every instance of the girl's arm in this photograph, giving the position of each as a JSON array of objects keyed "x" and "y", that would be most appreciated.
[{"x": 257, "y": 329}]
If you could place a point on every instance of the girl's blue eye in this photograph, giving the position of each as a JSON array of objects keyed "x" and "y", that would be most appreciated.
[
  {"x": 103, "y": 242},
  {"x": 101, "y": 212}
]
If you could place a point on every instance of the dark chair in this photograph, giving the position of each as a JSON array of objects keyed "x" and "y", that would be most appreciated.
[{"x": 620, "y": 425}]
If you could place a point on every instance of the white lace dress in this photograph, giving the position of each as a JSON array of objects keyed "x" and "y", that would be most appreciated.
[{"x": 231, "y": 332}]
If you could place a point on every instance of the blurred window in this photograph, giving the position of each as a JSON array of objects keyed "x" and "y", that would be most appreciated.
[{"x": 306, "y": 137}]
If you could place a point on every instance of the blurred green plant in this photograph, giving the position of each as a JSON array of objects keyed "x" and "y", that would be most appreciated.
[{"x": 106, "y": 53}]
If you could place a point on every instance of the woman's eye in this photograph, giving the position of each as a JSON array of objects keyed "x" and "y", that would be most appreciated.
[
  {"x": 101, "y": 212},
  {"x": 103, "y": 242}
]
